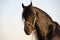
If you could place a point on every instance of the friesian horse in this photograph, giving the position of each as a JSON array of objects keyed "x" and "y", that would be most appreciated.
[{"x": 35, "y": 18}]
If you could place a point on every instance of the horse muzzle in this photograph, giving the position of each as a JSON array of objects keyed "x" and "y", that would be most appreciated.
[{"x": 28, "y": 28}]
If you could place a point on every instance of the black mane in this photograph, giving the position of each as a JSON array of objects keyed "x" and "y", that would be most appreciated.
[{"x": 43, "y": 12}]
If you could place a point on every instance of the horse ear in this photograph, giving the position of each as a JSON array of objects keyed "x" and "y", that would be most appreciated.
[
  {"x": 23, "y": 5},
  {"x": 30, "y": 4}
]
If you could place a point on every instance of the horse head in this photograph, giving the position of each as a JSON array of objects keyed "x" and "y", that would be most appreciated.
[{"x": 29, "y": 16}]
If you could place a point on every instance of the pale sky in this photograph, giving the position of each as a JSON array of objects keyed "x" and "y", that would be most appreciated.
[{"x": 11, "y": 25}]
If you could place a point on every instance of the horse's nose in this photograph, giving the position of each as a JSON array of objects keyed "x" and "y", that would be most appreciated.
[{"x": 26, "y": 31}]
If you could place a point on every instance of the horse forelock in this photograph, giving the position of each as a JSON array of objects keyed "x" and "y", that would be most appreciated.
[{"x": 28, "y": 11}]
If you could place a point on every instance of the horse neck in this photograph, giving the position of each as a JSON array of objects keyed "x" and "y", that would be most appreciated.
[
  {"x": 41, "y": 14},
  {"x": 38, "y": 33}
]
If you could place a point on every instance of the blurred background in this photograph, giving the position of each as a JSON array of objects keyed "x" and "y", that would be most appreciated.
[{"x": 11, "y": 24}]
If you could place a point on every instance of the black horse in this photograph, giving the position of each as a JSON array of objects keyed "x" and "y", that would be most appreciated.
[{"x": 35, "y": 18}]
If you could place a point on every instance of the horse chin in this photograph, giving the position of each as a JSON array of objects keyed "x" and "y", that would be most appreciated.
[{"x": 27, "y": 33}]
